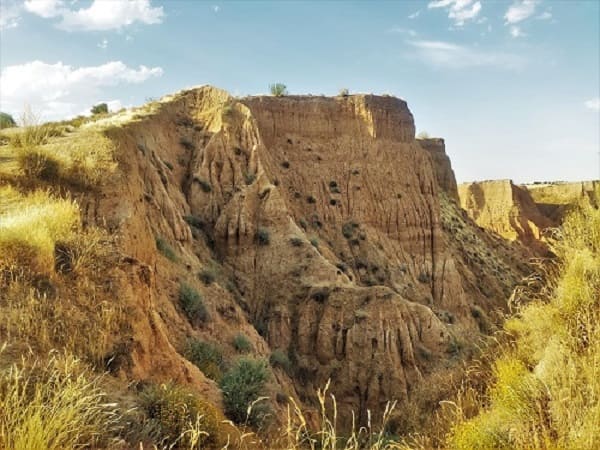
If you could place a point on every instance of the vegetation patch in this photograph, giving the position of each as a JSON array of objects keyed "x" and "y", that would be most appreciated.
[
  {"x": 242, "y": 386},
  {"x": 192, "y": 304},
  {"x": 207, "y": 357},
  {"x": 165, "y": 249},
  {"x": 241, "y": 343}
]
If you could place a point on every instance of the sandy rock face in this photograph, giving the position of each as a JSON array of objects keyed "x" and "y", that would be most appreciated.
[
  {"x": 441, "y": 165},
  {"x": 506, "y": 209},
  {"x": 326, "y": 225},
  {"x": 554, "y": 199}
]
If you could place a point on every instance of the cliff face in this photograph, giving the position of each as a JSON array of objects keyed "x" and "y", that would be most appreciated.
[
  {"x": 441, "y": 164},
  {"x": 330, "y": 240}
]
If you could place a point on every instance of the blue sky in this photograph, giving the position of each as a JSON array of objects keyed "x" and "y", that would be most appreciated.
[{"x": 513, "y": 86}]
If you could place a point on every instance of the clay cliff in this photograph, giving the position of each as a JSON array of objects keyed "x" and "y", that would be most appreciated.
[
  {"x": 506, "y": 209},
  {"x": 317, "y": 227},
  {"x": 441, "y": 164}
]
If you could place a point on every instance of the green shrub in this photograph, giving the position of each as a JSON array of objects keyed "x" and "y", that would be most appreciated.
[
  {"x": 297, "y": 241},
  {"x": 424, "y": 277},
  {"x": 263, "y": 236},
  {"x": 204, "y": 185},
  {"x": 207, "y": 276},
  {"x": 192, "y": 304},
  {"x": 6, "y": 120},
  {"x": 178, "y": 419},
  {"x": 344, "y": 92},
  {"x": 348, "y": 229},
  {"x": 241, "y": 343},
  {"x": 165, "y": 249},
  {"x": 242, "y": 385},
  {"x": 187, "y": 143},
  {"x": 207, "y": 357},
  {"x": 278, "y": 89},
  {"x": 194, "y": 221},
  {"x": 314, "y": 242},
  {"x": 101, "y": 108},
  {"x": 280, "y": 359}
]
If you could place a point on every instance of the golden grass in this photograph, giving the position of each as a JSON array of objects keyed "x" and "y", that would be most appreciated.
[
  {"x": 53, "y": 407},
  {"x": 546, "y": 383},
  {"x": 30, "y": 226}
]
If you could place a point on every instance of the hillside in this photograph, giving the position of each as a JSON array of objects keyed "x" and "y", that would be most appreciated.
[{"x": 194, "y": 239}]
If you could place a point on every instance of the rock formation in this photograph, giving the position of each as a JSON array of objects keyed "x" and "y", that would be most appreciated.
[
  {"x": 328, "y": 229},
  {"x": 506, "y": 209}
]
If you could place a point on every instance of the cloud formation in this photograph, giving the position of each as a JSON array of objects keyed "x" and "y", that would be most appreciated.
[
  {"x": 593, "y": 104},
  {"x": 520, "y": 10},
  {"x": 9, "y": 14},
  {"x": 460, "y": 11},
  {"x": 454, "y": 56},
  {"x": 60, "y": 90},
  {"x": 99, "y": 15}
]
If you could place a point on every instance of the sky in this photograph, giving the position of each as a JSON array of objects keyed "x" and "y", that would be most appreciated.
[{"x": 512, "y": 86}]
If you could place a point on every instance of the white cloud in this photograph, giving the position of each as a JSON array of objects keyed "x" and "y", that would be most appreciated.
[
  {"x": 45, "y": 8},
  {"x": 59, "y": 90},
  {"x": 9, "y": 14},
  {"x": 414, "y": 15},
  {"x": 516, "y": 32},
  {"x": 401, "y": 30},
  {"x": 460, "y": 11},
  {"x": 546, "y": 15},
  {"x": 99, "y": 15},
  {"x": 593, "y": 104},
  {"x": 520, "y": 10},
  {"x": 103, "y": 44},
  {"x": 453, "y": 56}
]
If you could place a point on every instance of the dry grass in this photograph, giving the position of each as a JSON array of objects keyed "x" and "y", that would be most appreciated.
[
  {"x": 546, "y": 384},
  {"x": 53, "y": 407}
]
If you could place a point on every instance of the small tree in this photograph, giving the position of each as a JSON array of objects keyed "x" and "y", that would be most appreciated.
[
  {"x": 344, "y": 92},
  {"x": 6, "y": 120},
  {"x": 278, "y": 89},
  {"x": 423, "y": 135},
  {"x": 100, "y": 108}
]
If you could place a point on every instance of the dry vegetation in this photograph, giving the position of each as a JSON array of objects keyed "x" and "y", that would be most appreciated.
[{"x": 545, "y": 384}]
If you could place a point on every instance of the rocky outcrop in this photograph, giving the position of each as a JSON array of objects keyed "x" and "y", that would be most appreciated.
[
  {"x": 327, "y": 231},
  {"x": 506, "y": 209},
  {"x": 441, "y": 165}
]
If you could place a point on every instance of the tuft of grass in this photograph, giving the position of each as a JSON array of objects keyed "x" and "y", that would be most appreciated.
[
  {"x": 53, "y": 407},
  {"x": 207, "y": 357},
  {"x": 204, "y": 185},
  {"x": 263, "y": 236},
  {"x": 241, "y": 343},
  {"x": 280, "y": 359},
  {"x": 296, "y": 241},
  {"x": 165, "y": 249},
  {"x": 192, "y": 304},
  {"x": 207, "y": 276},
  {"x": 178, "y": 419}
]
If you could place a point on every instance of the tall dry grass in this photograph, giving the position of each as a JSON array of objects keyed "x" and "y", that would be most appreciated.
[
  {"x": 545, "y": 390},
  {"x": 55, "y": 406}
]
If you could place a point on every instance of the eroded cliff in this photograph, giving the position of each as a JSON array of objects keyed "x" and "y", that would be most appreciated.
[{"x": 326, "y": 234}]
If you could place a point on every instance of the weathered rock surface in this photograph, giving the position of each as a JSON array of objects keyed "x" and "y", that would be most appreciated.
[
  {"x": 441, "y": 165},
  {"x": 505, "y": 209},
  {"x": 329, "y": 236}
]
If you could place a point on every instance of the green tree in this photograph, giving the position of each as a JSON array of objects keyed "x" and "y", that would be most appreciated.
[
  {"x": 278, "y": 89},
  {"x": 100, "y": 108},
  {"x": 6, "y": 120}
]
